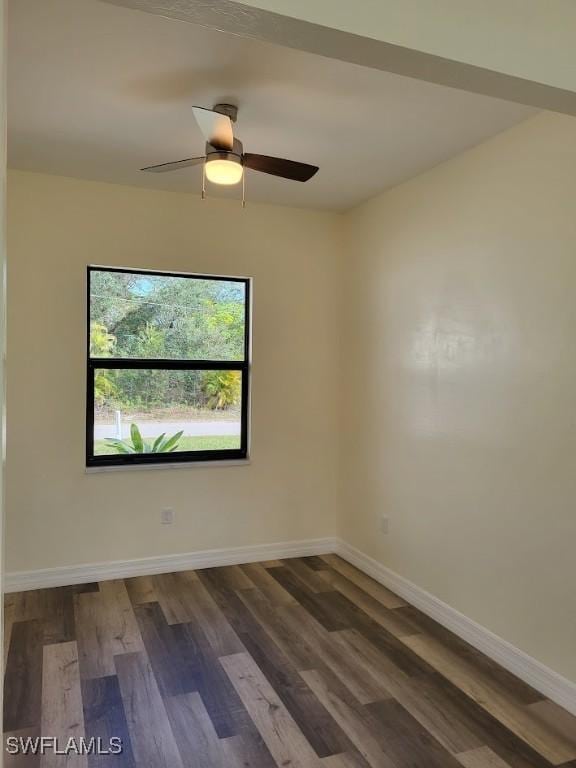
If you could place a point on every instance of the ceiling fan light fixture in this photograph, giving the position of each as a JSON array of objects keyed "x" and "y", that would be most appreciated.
[{"x": 227, "y": 171}]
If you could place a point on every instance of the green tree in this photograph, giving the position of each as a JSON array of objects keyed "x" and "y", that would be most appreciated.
[
  {"x": 102, "y": 344},
  {"x": 222, "y": 388},
  {"x": 154, "y": 316}
]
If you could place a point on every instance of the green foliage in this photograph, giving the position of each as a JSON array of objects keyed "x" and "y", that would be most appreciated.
[
  {"x": 104, "y": 387},
  {"x": 162, "y": 444},
  {"x": 202, "y": 319},
  {"x": 222, "y": 388},
  {"x": 153, "y": 316},
  {"x": 102, "y": 344},
  {"x": 190, "y": 443}
]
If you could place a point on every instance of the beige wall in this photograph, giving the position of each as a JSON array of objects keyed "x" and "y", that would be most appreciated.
[
  {"x": 57, "y": 514},
  {"x": 461, "y": 385}
]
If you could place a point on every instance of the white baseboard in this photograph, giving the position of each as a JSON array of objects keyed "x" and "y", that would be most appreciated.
[
  {"x": 542, "y": 678},
  {"x": 20, "y": 581},
  {"x": 547, "y": 682}
]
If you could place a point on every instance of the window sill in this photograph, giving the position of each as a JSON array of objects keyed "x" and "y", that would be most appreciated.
[{"x": 177, "y": 465}]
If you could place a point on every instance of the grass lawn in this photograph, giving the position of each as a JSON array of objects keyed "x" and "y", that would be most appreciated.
[{"x": 218, "y": 443}]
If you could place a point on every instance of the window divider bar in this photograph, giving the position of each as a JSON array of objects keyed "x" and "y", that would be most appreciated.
[{"x": 167, "y": 365}]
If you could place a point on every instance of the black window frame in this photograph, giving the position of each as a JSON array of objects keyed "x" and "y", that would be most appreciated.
[{"x": 243, "y": 366}]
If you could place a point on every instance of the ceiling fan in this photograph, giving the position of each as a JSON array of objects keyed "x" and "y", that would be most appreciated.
[{"x": 225, "y": 159}]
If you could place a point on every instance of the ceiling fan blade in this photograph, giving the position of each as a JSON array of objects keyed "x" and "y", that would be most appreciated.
[
  {"x": 175, "y": 166},
  {"x": 287, "y": 169},
  {"x": 216, "y": 128}
]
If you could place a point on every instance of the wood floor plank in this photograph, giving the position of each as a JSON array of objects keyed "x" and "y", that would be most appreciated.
[
  {"x": 319, "y": 728},
  {"x": 282, "y": 736},
  {"x": 151, "y": 736},
  {"x": 314, "y": 562},
  {"x": 232, "y": 577},
  {"x": 371, "y": 587},
  {"x": 58, "y": 611},
  {"x": 345, "y": 760},
  {"x": 58, "y": 621},
  {"x": 23, "y": 677},
  {"x": 247, "y": 750},
  {"x": 62, "y": 712},
  {"x": 354, "y": 720},
  {"x": 173, "y": 666},
  {"x": 309, "y": 600},
  {"x": 309, "y": 576},
  {"x": 141, "y": 589},
  {"x": 561, "y": 722},
  {"x": 121, "y": 622},
  {"x": 94, "y": 643},
  {"x": 330, "y": 652},
  {"x": 199, "y": 607},
  {"x": 483, "y": 757},
  {"x": 104, "y": 718},
  {"x": 408, "y": 744},
  {"x": 554, "y": 748},
  {"x": 106, "y": 626},
  {"x": 438, "y": 714},
  {"x": 442, "y": 693},
  {"x": 323, "y": 734},
  {"x": 521, "y": 692},
  {"x": 267, "y": 584},
  {"x": 325, "y": 668},
  {"x": 197, "y": 740},
  {"x": 28, "y": 605},
  {"x": 222, "y": 592},
  {"x": 199, "y": 744},
  {"x": 53, "y": 608},
  {"x": 470, "y": 716},
  {"x": 377, "y": 664},
  {"x": 36, "y": 603},
  {"x": 301, "y": 654},
  {"x": 433, "y": 714},
  {"x": 392, "y": 620},
  {"x": 221, "y": 636},
  {"x": 390, "y": 645},
  {"x": 395, "y": 658},
  {"x": 228, "y": 715},
  {"x": 172, "y": 592}
]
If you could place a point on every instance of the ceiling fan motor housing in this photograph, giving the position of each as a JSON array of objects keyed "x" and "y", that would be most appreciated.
[{"x": 235, "y": 155}]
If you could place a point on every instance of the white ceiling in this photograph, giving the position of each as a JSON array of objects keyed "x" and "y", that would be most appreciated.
[{"x": 97, "y": 92}]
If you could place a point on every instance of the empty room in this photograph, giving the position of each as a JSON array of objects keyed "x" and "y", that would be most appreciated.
[{"x": 288, "y": 384}]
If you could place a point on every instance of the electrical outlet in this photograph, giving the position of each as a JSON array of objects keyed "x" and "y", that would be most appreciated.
[
  {"x": 167, "y": 516},
  {"x": 384, "y": 524}
]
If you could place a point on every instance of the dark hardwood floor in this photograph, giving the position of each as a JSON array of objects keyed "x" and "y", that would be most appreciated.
[{"x": 303, "y": 663}]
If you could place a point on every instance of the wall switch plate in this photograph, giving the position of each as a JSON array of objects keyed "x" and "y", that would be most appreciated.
[
  {"x": 384, "y": 524},
  {"x": 167, "y": 516}
]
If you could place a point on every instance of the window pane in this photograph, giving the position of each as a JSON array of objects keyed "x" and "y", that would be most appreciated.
[
  {"x": 176, "y": 318},
  {"x": 202, "y": 405}
]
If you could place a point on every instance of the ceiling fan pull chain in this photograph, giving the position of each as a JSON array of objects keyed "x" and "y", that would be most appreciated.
[
  {"x": 203, "y": 181},
  {"x": 244, "y": 190}
]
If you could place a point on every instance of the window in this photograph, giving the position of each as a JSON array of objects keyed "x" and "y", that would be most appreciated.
[{"x": 168, "y": 367}]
